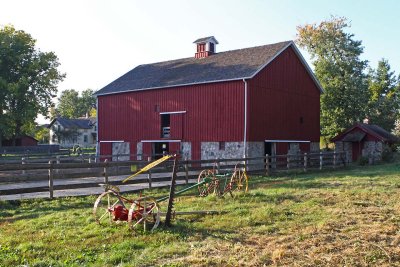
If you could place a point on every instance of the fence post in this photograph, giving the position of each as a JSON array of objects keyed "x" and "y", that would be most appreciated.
[
  {"x": 305, "y": 162},
  {"x": 267, "y": 166},
  {"x": 320, "y": 160},
  {"x": 51, "y": 177},
  {"x": 149, "y": 173},
  {"x": 186, "y": 171},
  {"x": 23, "y": 161},
  {"x": 57, "y": 162},
  {"x": 105, "y": 171},
  {"x": 217, "y": 163}
]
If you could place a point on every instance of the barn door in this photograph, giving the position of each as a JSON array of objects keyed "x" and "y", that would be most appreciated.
[{"x": 177, "y": 126}]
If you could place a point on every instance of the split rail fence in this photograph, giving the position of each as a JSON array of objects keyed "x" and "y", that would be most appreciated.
[{"x": 89, "y": 172}]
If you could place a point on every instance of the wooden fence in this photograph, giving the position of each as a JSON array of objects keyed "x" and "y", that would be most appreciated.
[{"x": 88, "y": 173}]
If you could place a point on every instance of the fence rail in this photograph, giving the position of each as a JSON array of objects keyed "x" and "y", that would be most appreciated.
[{"x": 37, "y": 176}]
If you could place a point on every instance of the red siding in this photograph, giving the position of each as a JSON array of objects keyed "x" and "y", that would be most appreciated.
[
  {"x": 214, "y": 112},
  {"x": 280, "y": 97}
]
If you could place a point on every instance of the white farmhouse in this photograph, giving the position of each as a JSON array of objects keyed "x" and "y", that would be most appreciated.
[{"x": 70, "y": 132}]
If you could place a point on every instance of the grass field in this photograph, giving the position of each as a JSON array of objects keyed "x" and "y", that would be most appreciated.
[{"x": 346, "y": 217}]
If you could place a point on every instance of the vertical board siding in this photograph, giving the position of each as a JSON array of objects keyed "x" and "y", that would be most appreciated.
[
  {"x": 214, "y": 112},
  {"x": 281, "y": 96}
]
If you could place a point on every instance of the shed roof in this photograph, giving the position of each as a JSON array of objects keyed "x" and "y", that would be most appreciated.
[
  {"x": 371, "y": 129},
  {"x": 224, "y": 66}
]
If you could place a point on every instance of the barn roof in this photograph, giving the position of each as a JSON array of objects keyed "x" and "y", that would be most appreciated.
[
  {"x": 224, "y": 66},
  {"x": 378, "y": 132},
  {"x": 73, "y": 123}
]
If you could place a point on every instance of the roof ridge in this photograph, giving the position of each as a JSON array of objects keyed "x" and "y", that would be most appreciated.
[{"x": 215, "y": 54}]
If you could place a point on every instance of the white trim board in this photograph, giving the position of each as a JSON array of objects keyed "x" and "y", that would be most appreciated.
[
  {"x": 112, "y": 141},
  {"x": 287, "y": 141},
  {"x": 161, "y": 141},
  {"x": 173, "y": 112}
]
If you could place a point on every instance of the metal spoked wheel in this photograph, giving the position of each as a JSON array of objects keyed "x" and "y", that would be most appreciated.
[
  {"x": 211, "y": 186},
  {"x": 106, "y": 206},
  {"x": 239, "y": 182},
  {"x": 144, "y": 211}
]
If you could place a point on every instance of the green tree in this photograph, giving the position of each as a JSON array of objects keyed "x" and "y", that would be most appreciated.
[
  {"x": 68, "y": 104},
  {"x": 71, "y": 105},
  {"x": 42, "y": 135},
  {"x": 336, "y": 59},
  {"x": 384, "y": 96},
  {"x": 87, "y": 101},
  {"x": 28, "y": 81}
]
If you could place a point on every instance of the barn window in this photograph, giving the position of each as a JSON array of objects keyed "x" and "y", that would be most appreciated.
[
  {"x": 221, "y": 145},
  {"x": 301, "y": 120},
  {"x": 165, "y": 125}
]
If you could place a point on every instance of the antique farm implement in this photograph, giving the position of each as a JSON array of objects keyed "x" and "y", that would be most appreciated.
[{"x": 112, "y": 207}]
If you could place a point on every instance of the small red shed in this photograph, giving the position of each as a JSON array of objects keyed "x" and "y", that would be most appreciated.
[
  {"x": 364, "y": 140},
  {"x": 23, "y": 140},
  {"x": 246, "y": 102}
]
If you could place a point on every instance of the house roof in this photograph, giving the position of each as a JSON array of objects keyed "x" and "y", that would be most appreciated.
[
  {"x": 371, "y": 129},
  {"x": 73, "y": 123},
  {"x": 224, "y": 66}
]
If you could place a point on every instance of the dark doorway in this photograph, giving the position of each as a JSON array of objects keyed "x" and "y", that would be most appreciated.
[
  {"x": 160, "y": 149},
  {"x": 268, "y": 148},
  {"x": 356, "y": 148},
  {"x": 165, "y": 125}
]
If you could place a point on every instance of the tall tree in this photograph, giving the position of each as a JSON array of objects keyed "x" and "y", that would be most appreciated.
[
  {"x": 384, "y": 96},
  {"x": 68, "y": 104},
  {"x": 28, "y": 81},
  {"x": 71, "y": 105},
  {"x": 87, "y": 101},
  {"x": 337, "y": 64}
]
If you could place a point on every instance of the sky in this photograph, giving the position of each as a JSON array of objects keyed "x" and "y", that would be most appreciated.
[{"x": 98, "y": 41}]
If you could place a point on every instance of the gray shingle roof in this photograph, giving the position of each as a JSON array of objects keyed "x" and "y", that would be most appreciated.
[
  {"x": 229, "y": 65},
  {"x": 205, "y": 39},
  {"x": 73, "y": 123}
]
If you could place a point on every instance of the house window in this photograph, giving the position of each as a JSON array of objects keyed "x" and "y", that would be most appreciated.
[
  {"x": 165, "y": 125},
  {"x": 221, "y": 145},
  {"x": 85, "y": 138}
]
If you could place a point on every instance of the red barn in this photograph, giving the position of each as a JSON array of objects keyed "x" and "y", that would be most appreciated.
[{"x": 245, "y": 102}]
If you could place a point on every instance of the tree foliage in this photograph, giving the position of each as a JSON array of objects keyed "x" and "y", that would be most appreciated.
[
  {"x": 384, "y": 96},
  {"x": 341, "y": 72},
  {"x": 71, "y": 105},
  {"x": 28, "y": 81}
]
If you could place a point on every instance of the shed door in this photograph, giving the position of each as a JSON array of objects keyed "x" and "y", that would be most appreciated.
[{"x": 356, "y": 150}]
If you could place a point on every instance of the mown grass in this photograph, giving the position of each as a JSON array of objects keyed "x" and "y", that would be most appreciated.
[{"x": 347, "y": 217}]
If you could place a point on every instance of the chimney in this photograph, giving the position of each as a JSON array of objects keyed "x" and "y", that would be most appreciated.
[{"x": 205, "y": 46}]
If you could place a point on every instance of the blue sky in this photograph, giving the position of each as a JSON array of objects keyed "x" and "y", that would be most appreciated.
[{"x": 98, "y": 41}]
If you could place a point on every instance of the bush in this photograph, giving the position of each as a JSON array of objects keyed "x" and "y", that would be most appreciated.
[
  {"x": 362, "y": 161},
  {"x": 387, "y": 154}
]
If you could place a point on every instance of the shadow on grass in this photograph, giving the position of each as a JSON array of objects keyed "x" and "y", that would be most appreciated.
[
  {"x": 316, "y": 178},
  {"x": 184, "y": 229}
]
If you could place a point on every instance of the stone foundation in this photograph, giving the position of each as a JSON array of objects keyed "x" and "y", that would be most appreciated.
[
  {"x": 139, "y": 150},
  {"x": 186, "y": 150},
  {"x": 314, "y": 147},
  {"x": 373, "y": 151},
  {"x": 211, "y": 150},
  {"x": 122, "y": 148}
]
